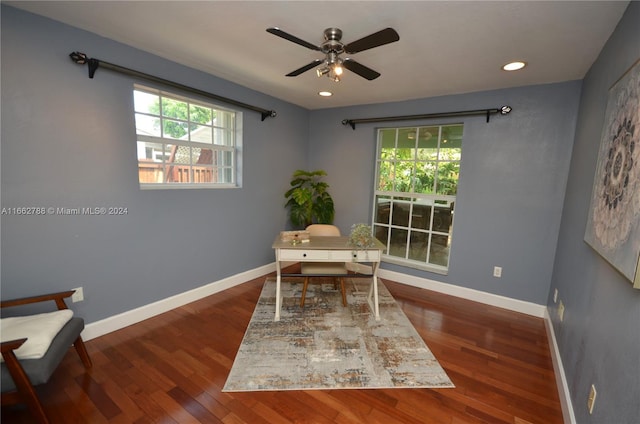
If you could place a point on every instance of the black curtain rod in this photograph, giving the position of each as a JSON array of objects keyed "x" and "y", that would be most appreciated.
[
  {"x": 81, "y": 59},
  {"x": 488, "y": 112}
]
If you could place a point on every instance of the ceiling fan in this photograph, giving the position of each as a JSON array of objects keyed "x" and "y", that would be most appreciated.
[{"x": 332, "y": 47}]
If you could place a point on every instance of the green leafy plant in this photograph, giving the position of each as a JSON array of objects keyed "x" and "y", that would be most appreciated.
[
  {"x": 308, "y": 200},
  {"x": 361, "y": 236}
]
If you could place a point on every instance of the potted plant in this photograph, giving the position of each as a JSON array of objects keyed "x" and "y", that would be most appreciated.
[
  {"x": 361, "y": 236},
  {"x": 308, "y": 200}
]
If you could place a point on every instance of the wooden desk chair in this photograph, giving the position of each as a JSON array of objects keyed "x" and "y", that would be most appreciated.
[
  {"x": 323, "y": 268},
  {"x": 20, "y": 375}
]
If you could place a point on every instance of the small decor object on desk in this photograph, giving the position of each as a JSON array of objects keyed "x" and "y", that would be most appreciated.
[
  {"x": 295, "y": 237},
  {"x": 361, "y": 236}
]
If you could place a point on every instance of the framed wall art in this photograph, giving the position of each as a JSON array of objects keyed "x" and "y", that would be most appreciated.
[{"x": 613, "y": 225}]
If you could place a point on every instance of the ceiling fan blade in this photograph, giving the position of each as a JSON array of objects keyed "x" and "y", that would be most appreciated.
[
  {"x": 360, "y": 69},
  {"x": 305, "y": 68},
  {"x": 292, "y": 38},
  {"x": 380, "y": 38}
]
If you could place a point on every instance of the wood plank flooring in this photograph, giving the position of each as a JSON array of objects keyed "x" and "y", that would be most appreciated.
[{"x": 171, "y": 369}]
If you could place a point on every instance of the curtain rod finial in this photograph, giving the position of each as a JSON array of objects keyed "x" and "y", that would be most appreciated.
[
  {"x": 79, "y": 58},
  {"x": 505, "y": 109}
]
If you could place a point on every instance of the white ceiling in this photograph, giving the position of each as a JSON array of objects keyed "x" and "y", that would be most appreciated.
[{"x": 445, "y": 47}]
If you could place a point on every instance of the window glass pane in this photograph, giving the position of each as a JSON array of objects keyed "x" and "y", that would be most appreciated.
[
  {"x": 447, "y": 182},
  {"x": 203, "y": 156},
  {"x": 222, "y": 158},
  {"x": 387, "y": 144},
  {"x": 383, "y": 209},
  {"x": 381, "y": 234},
  {"x": 398, "y": 243},
  {"x": 178, "y": 173},
  {"x": 428, "y": 143},
  {"x": 174, "y": 109},
  {"x": 451, "y": 143},
  {"x": 147, "y": 125},
  {"x": 223, "y": 174},
  {"x": 224, "y": 119},
  {"x": 418, "y": 243},
  {"x": 149, "y": 172},
  {"x": 179, "y": 154},
  {"x": 200, "y": 114},
  {"x": 222, "y": 137},
  {"x": 443, "y": 218},
  {"x": 425, "y": 177},
  {"x": 439, "y": 250},
  {"x": 385, "y": 176},
  {"x": 400, "y": 212},
  {"x": 145, "y": 102},
  {"x": 420, "y": 216},
  {"x": 174, "y": 129},
  {"x": 202, "y": 174},
  {"x": 201, "y": 134},
  {"x": 404, "y": 176},
  {"x": 406, "y": 149},
  {"x": 151, "y": 152}
]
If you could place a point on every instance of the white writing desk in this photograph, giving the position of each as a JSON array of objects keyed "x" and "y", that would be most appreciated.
[{"x": 328, "y": 249}]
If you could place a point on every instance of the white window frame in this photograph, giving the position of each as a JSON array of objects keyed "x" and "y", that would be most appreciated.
[
  {"x": 414, "y": 203},
  {"x": 233, "y": 132}
]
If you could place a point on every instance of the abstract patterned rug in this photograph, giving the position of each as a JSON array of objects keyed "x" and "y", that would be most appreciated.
[{"x": 328, "y": 346}]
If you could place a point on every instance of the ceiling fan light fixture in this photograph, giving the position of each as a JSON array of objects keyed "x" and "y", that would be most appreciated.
[
  {"x": 322, "y": 71},
  {"x": 333, "y": 47}
]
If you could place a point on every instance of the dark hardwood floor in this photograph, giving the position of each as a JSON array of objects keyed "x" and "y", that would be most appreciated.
[{"x": 171, "y": 369}]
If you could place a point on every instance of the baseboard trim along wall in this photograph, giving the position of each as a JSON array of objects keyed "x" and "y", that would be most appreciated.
[
  {"x": 116, "y": 322},
  {"x": 561, "y": 378},
  {"x": 516, "y": 305}
]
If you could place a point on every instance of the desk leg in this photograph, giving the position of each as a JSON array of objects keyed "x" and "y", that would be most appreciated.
[
  {"x": 278, "y": 281},
  {"x": 373, "y": 292}
]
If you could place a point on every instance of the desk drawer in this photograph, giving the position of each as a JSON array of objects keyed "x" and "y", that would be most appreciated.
[
  {"x": 330, "y": 255},
  {"x": 301, "y": 255}
]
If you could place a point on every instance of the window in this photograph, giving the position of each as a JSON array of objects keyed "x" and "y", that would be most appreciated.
[
  {"x": 184, "y": 143},
  {"x": 416, "y": 184}
]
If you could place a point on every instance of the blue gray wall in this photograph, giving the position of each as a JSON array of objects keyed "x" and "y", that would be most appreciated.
[
  {"x": 512, "y": 180},
  {"x": 599, "y": 338},
  {"x": 69, "y": 141}
]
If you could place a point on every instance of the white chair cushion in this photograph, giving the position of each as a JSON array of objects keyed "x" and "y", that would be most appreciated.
[{"x": 40, "y": 330}]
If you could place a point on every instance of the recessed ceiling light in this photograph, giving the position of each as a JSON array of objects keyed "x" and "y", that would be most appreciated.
[
  {"x": 325, "y": 93},
  {"x": 514, "y": 66}
]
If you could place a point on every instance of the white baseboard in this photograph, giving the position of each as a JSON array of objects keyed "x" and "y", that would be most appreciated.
[
  {"x": 561, "y": 378},
  {"x": 516, "y": 305},
  {"x": 116, "y": 322}
]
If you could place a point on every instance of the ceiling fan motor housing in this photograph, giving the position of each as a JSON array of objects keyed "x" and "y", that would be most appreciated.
[{"x": 332, "y": 44}]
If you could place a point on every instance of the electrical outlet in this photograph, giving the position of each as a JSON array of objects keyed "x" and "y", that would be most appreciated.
[
  {"x": 561, "y": 310},
  {"x": 497, "y": 271},
  {"x": 78, "y": 296},
  {"x": 555, "y": 296},
  {"x": 592, "y": 398}
]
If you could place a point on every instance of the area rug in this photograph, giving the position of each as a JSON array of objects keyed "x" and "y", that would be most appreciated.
[{"x": 328, "y": 346}]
